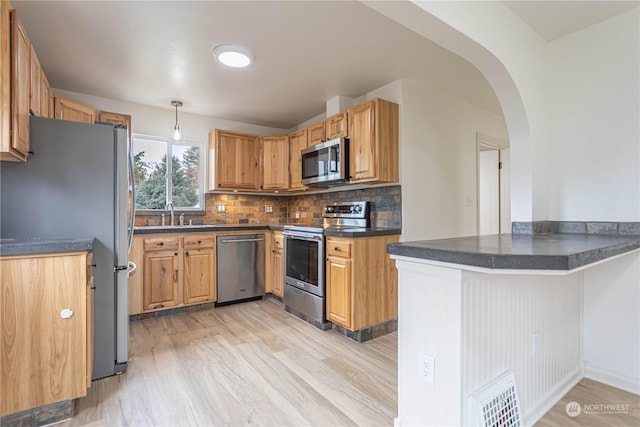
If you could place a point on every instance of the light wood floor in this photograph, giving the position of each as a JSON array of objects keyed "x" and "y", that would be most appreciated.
[
  {"x": 253, "y": 363},
  {"x": 249, "y": 363},
  {"x": 592, "y": 397}
]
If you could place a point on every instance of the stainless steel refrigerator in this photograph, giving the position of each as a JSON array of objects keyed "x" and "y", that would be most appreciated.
[{"x": 74, "y": 185}]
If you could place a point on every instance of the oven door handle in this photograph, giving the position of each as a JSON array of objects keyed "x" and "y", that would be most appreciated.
[{"x": 302, "y": 236}]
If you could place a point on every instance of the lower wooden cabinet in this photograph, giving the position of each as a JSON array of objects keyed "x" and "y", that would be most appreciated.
[
  {"x": 161, "y": 279},
  {"x": 338, "y": 279},
  {"x": 46, "y": 351},
  {"x": 199, "y": 269},
  {"x": 174, "y": 269},
  {"x": 277, "y": 261},
  {"x": 361, "y": 281},
  {"x": 274, "y": 271}
]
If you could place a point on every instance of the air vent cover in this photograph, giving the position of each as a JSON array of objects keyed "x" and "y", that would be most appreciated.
[{"x": 496, "y": 403}]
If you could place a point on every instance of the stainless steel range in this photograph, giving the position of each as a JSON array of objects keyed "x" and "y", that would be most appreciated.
[{"x": 304, "y": 288}]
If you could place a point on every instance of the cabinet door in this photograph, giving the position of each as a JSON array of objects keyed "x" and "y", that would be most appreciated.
[
  {"x": 20, "y": 84},
  {"x": 277, "y": 268},
  {"x": 136, "y": 284},
  {"x": 275, "y": 162},
  {"x": 35, "y": 89},
  {"x": 278, "y": 273},
  {"x": 45, "y": 98},
  {"x": 5, "y": 77},
  {"x": 297, "y": 143},
  {"x": 316, "y": 134},
  {"x": 66, "y": 109},
  {"x": 198, "y": 275},
  {"x": 338, "y": 280},
  {"x": 161, "y": 278},
  {"x": 336, "y": 126},
  {"x": 43, "y": 347},
  {"x": 116, "y": 119},
  {"x": 237, "y": 160},
  {"x": 362, "y": 147}
]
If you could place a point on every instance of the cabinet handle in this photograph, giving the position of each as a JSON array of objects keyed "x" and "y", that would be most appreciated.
[{"x": 175, "y": 276}]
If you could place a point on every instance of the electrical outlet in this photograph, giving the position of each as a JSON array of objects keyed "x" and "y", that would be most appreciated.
[
  {"x": 427, "y": 371},
  {"x": 535, "y": 338},
  {"x": 222, "y": 208},
  {"x": 297, "y": 214},
  {"x": 268, "y": 209}
]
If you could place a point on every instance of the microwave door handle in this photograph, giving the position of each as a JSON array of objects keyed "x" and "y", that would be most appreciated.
[{"x": 333, "y": 159}]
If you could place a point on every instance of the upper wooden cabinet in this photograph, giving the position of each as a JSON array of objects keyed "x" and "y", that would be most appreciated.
[
  {"x": 35, "y": 91},
  {"x": 66, "y": 109},
  {"x": 46, "y": 106},
  {"x": 275, "y": 162},
  {"x": 116, "y": 119},
  {"x": 15, "y": 137},
  {"x": 373, "y": 142},
  {"x": 297, "y": 143},
  {"x": 315, "y": 134},
  {"x": 336, "y": 126},
  {"x": 333, "y": 127},
  {"x": 236, "y": 157},
  {"x": 5, "y": 78}
]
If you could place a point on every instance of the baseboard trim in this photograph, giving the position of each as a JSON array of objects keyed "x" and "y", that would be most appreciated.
[
  {"x": 614, "y": 379},
  {"x": 553, "y": 396}
]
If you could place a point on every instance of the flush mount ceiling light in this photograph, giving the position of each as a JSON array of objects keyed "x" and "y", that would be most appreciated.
[
  {"x": 176, "y": 132},
  {"x": 233, "y": 56}
]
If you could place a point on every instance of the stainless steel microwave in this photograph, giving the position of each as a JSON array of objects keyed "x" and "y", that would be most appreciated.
[{"x": 326, "y": 163}]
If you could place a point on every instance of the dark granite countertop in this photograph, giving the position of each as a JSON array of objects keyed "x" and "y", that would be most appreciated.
[
  {"x": 31, "y": 246},
  {"x": 520, "y": 252},
  {"x": 350, "y": 232},
  {"x": 153, "y": 229},
  {"x": 362, "y": 232}
]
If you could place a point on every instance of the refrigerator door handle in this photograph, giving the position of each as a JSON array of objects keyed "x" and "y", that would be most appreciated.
[{"x": 132, "y": 187}]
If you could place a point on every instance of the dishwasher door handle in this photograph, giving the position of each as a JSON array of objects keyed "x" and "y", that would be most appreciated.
[{"x": 242, "y": 240}]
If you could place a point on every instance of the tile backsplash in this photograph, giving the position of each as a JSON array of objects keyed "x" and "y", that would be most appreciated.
[{"x": 232, "y": 209}]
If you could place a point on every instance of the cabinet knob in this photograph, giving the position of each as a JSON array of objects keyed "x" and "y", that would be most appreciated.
[
  {"x": 186, "y": 253},
  {"x": 199, "y": 241},
  {"x": 161, "y": 244},
  {"x": 66, "y": 313},
  {"x": 175, "y": 254},
  {"x": 337, "y": 249}
]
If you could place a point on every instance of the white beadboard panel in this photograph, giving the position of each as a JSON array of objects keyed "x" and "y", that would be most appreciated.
[
  {"x": 429, "y": 322},
  {"x": 611, "y": 325},
  {"x": 500, "y": 314}
]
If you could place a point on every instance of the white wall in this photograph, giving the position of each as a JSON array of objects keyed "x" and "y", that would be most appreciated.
[
  {"x": 438, "y": 163},
  {"x": 593, "y": 122},
  {"x": 159, "y": 121}
]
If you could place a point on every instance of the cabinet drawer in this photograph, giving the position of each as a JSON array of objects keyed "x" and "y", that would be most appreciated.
[
  {"x": 161, "y": 243},
  {"x": 198, "y": 242},
  {"x": 338, "y": 248}
]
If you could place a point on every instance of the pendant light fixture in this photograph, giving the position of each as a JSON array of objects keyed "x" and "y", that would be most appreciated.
[{"x": 176, "y": 132}]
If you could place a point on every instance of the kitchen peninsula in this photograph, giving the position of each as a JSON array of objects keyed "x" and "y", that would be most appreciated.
[{"x": 480, "y": 306}]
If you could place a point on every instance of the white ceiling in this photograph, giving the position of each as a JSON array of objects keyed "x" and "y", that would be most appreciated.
[
  {"x": 553, "y": 19},
  {"x": 306, "y": 52}
]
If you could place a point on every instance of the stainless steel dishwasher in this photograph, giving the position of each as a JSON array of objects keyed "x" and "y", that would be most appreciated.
[{"x": 239, "y": 267}]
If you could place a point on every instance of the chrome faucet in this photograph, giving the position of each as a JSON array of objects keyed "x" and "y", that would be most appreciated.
[{"x": 169, "y": 207}]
